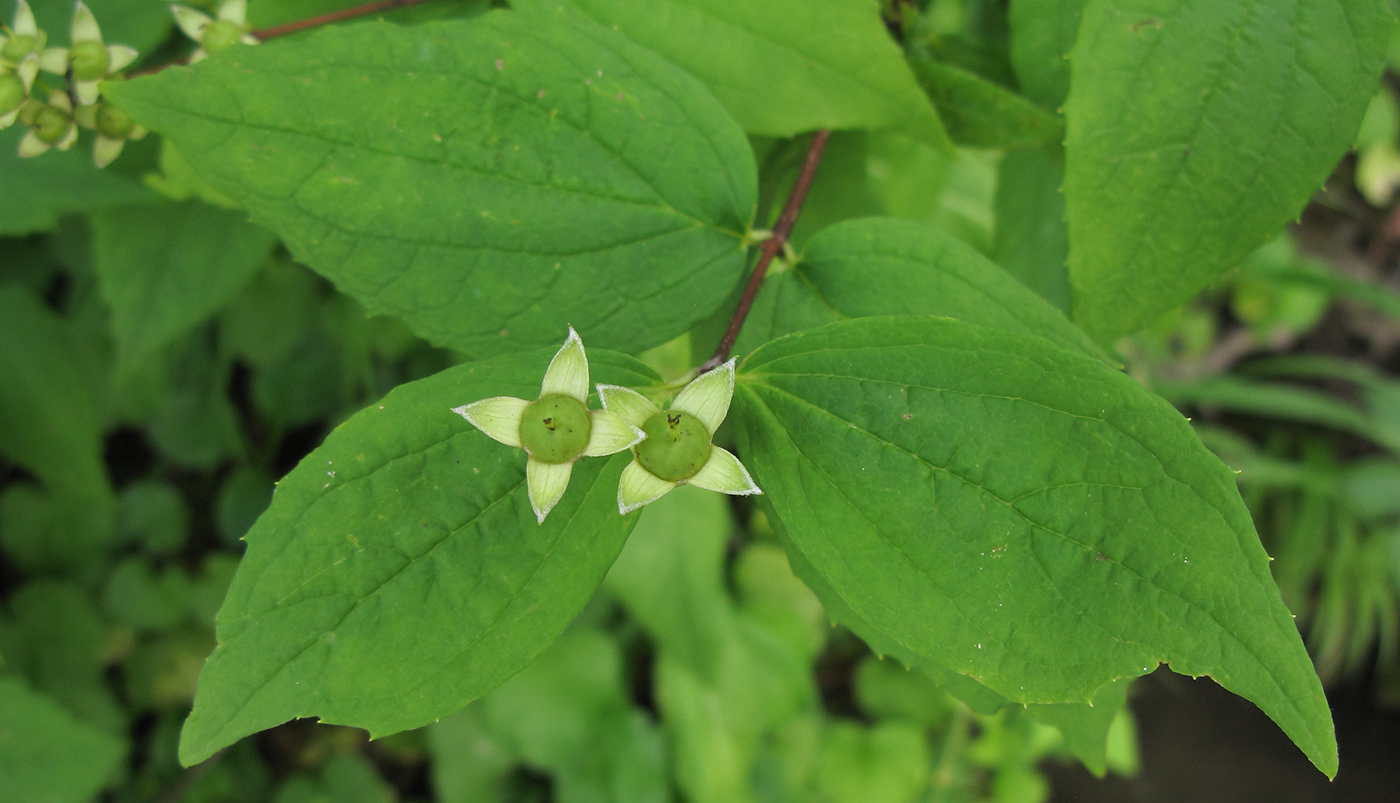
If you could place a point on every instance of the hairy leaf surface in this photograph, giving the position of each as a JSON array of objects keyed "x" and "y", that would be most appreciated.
[
  {"x": 1195, "y": 131},
  {"x": 485, "y": 180},
  {"x": 1024, "y": 515},
  {"x": 821, "y": 63},
  {"x": 399, "y": 573}
]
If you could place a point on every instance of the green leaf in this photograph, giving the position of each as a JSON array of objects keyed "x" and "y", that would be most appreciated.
[
  {"x": 48, "y": 416},
  {"x": 669, "y": 577},
  {"x": 166, "y": 267},
  {"x": 140, "y": 597},
  {"x": 1195, "y": 131},
  {"x": 568, "y": 713},
  {"x": 46, "y": 754},
  {"x": 1032, "y": 242},
  {"x": 1023, "y": 515},
  {"x": 54, "y": 638},
  {"x": 468, "y": 765},
  {"x": 882, "y": 266},
  {"x": 886, "y": 763},
  {"x": 724, "y": 677},
  {"x": 399, "y": 573},
  {"x": 153, "y": 514},
  {"x": 193, "y": 420},
  {"x": 982, "y": 114},
  {"x": 1042, "y": 34},
  {"x": 41, "y": 190},
  {"x": 1085, "y": 726},
  {"x": 838, "y": 68},
  {"x": 1275, "y": 400},
  {"x": 484, "y": 180}
]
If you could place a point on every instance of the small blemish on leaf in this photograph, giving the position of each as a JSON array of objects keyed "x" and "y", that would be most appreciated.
[
  {"x": 908, "y": 416},
  {"x": 500, "y": 64},
  {"x": 1138, "y": 26}
]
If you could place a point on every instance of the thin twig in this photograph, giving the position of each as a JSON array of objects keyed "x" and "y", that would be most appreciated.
[
  {"x": 334, "y": 16},
  {"x": 264, "y": 34},
  {"x": 770, "y": 249}
]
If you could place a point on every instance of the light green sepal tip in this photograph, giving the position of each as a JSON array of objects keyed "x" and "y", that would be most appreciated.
[
  {"x": 707, "y": 397},
  {"x": 547, "y": 483},
  {"x": 639, "y": 487},
  {"x": 725, "y": 474}
]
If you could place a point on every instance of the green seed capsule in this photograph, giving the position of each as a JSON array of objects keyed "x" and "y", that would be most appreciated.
[
  {"x": 51, "y": 124},
  {"x": 12, "y": 93},
  {"x": 114, "y": 122},
  {"x": 90, "y": 61},
  {"x": 676, "y": 448},
  {"x": 19, "y": 46},
  {"x": 221, "y": 35},
  {"x": 555, "y": 429}
]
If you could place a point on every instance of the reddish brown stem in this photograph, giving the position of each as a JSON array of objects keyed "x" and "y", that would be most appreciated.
[
  {"x": 334, "y": 16},
  {"x": 770, "y": 249}
]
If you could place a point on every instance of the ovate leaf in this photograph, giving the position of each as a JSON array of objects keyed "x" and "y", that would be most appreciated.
[
  {"x": 882, "y": 266},
  {"x": 46, "y": 754},
  {"x": 1032, "y": 242},
  {"x": 1195, "y": 131},
  {"x": 481, "y": 179},
  {"x": 164, "y": 268},
  {"x": 568, "y": 713},
  {"x": 399, "y": 573},
  {"x": 1042, "y": 34},
  {"x": 48, "y": 415},
  {"x": 820, "y": 63},
  {"x": 1014, "y": 512},
  {"x": 981, "y": 114}
]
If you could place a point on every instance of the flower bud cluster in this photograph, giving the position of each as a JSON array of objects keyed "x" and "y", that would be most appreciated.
[{"x": 54, "y": 115}]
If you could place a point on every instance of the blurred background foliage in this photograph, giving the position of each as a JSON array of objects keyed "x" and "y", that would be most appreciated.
[{"x": 705, "y": 670}]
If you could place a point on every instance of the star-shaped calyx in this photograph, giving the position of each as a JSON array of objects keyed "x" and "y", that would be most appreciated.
[
  {"x": 555, "y": 429},
  {"x": 678, "y": 449}
]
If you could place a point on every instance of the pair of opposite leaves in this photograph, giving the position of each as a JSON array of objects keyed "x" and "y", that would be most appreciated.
[{"x": 670, "y": 447}]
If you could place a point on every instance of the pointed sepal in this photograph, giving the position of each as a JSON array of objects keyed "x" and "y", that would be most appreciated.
[
  {"x": 610, "y": 434},
  {"x": 568, "y": 371},
  {"x": 725, "y": 474},
  {"x": 707, "y": 397},
  {"x": 547, "y": 483},
  {"x": 498, "y": 417},
  {"x": 634, "y": 408},
  {"x": 639, "y": 487}
]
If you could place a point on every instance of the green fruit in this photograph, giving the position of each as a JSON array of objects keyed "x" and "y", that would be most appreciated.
[
  {"x": 51, "y": 124},
  {"x": 12, "y": 93},
  {"x": 555, "y": 429},
  {"x": 113, "y": 122},
  {"x": 20, "y": 46},
  {"x": 90, "y": 60},
  {"x": 221, "y": 35},
  {"x": 676, "y": 448}
]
